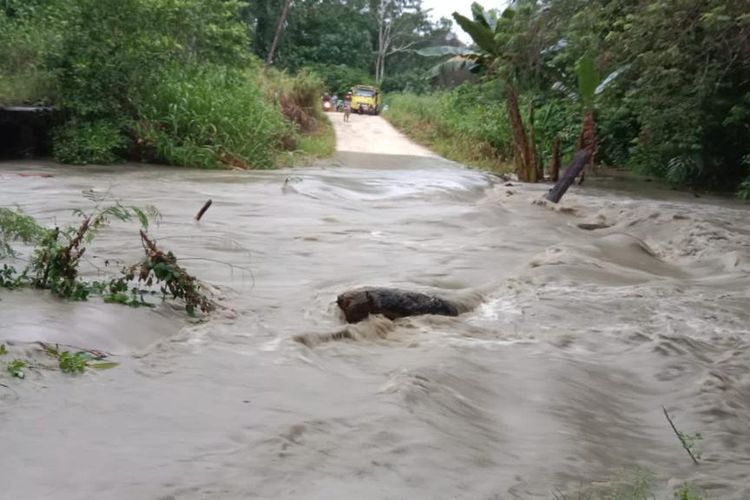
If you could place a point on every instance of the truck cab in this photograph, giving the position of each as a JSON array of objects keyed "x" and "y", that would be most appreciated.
[{"x": 366, "y": 99}]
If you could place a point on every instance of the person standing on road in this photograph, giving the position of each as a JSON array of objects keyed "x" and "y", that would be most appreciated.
[{"x": 347, "y": 106}]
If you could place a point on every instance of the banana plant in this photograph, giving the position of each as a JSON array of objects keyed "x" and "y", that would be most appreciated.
[
  {"x": 590, "y": 85},
  {"x": 498, "y": 51}
]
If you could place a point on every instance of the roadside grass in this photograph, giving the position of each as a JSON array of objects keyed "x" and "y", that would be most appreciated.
[
  {"x": 320, "y": 143},
  {"x": 435, "y": 123}
]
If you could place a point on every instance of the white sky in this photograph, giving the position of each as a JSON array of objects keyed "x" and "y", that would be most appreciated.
[{"x": 444, "y": 8}]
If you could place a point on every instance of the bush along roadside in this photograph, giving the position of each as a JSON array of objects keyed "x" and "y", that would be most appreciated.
[{"x": 163, "y": 82}]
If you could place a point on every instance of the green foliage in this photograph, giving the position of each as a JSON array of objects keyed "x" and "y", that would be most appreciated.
[
  {"x": 57, "y": 255},
  {"x": 690, "y": 443},
  {"x": 588, "y": 78},
  {"x": 54, "y": 263},
  {"x": 17, "y": 226},
  {"x": 82, "y": 142},
  {"x": 28, "y": 35},
  {"x": 468, "y": 124},
  {"x": 687, "y": 87},
  {"x": 340, "y": 78},
  {"x": 161, "y": 269},
  {"x": 72, "y": 363},
  {"x": 209, "y": 116},
  {"x": 10, "y": 278},
  {"x": 75, "y": 363},
  {"x": 688, "y": 492},
  {"x": 298, "y": 96},
  {"x": 158, "y": 80},
  {"x": 17, "y": 368}
]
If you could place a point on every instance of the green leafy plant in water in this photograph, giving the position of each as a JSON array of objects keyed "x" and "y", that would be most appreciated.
[
  {"x": 10, "y": 278},
  {"x": 72, "y": 363},
  {"x": 688, "y": 492},
  {"x": 78, "y": 362},
  {"x": 58, "y": 252},
  {"x": 690, "y": 443},
  {"x": 17, "y": 226},
  {"x": 55, "y": 261},
  {"x": 160, "y": 268},
  {"x": 17, "y": 368}
]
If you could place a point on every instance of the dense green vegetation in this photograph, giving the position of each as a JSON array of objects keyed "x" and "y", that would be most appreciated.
[
  {"x": 662, "y": 87},
  {"x": 168, "y": 81}
]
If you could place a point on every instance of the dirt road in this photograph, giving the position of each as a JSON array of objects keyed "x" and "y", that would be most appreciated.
[{"x": 372, "y": 134}]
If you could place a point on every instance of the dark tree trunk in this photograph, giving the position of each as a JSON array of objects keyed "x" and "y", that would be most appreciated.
[
  {"x": 279, "y": 31},
  {"x": 525, "y": 170},
  {"x": 588, "y": 138},
  {"x": 554, "y": 168},
  {"x": 576, "y": 167},
  {"x": 533, "y": 166}
]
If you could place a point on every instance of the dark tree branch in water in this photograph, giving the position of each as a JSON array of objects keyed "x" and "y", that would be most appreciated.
[
  {"x": 576, "y": 167},
  {"x": 203, "y": 210}
]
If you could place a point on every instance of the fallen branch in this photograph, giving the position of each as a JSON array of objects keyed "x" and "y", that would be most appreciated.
[
  {"x": 576, "y": 167},
  {"x": 163, "y": 268},
  {"x": 203, "y": 210},
  {"x": 680, "y": 436}
]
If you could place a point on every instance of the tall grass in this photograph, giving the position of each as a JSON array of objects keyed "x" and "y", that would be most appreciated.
[
  {"x": 298, "y": 96},
  {"x": 24, "y": 45},
  {"x": 209, "y": 116},
  {"x": 467, "y": 125}
]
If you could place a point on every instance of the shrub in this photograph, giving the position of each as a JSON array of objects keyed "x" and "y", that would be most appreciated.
[
  {"x": 208, "y": 116},
  {"x": 299, "y": 97},
  {"x": 25, "y": 42},
  {"x": 340, "y": 78},
  {"x": 82, "y": 142}
]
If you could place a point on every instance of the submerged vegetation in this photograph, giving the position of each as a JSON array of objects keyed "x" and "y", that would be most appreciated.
[{"x": 57, "y": 252}]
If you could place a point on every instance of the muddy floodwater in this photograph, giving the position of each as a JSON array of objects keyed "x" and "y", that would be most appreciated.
[{"x": 554, "y": 380}]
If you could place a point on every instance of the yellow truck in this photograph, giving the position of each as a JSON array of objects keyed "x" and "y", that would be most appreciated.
[{"x": 366, "y": 99}]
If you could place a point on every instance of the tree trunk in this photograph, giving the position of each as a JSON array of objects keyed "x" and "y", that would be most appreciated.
[
  {"x": 554, "y": 169},
  {"x": 576, "y": 167},
  {"x": 279, "y": 31},
  {"x": 534, "y": 166},
  {"x": 588, "y": 137},
  {"x": 520, "y": 142}
]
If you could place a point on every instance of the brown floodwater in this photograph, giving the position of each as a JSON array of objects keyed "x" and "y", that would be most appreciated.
[{"x": 553, "y": 381}]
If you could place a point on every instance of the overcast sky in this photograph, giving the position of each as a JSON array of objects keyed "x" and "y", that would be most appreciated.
[{"x": 444, "y": 8}]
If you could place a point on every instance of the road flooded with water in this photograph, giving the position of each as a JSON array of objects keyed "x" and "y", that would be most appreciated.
[{"x": 552, "y": 381}]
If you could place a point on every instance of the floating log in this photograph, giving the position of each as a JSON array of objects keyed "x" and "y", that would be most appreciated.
[
  {"x": 576, "y": 167},
  {"x": 391, "y": 303}
]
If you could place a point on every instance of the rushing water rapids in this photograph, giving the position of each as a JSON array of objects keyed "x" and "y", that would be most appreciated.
[{"x": 554, "y": 379}]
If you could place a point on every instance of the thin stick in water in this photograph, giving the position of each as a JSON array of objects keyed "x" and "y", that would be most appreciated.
[
  {"x": 679, "y": 436},
  {"x": 203, "y": 210}
]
